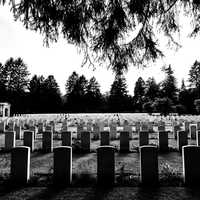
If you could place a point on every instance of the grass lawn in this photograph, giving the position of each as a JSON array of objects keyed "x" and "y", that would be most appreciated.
[
  {"x": 89, "y": 193},
  {"x": 42, "y": 168},
  {"x": 42, "y": 163}
]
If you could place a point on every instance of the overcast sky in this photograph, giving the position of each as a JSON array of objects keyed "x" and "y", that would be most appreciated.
[{"x": 61, "y": 59}]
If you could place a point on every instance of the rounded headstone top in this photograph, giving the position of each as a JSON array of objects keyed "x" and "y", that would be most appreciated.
[
  {"x": 63, "y": 147},
  {"x": 105, "y": 147},
  {"x": 148, "y": 147},
  {"x": 190, "y": 147},
  {"x": 21, "y": 148}
]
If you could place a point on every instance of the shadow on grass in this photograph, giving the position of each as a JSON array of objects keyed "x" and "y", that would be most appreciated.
[
  {"x": 90, "y": 193},
  {"x": 4, "y": 151}
]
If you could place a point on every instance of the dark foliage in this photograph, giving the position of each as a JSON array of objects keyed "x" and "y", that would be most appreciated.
[
  {"x": 42, "y": 95},
  {"x": 168, "y": 85},
  {"x": 118, "y": 100},
  {"x": 100, "y": 27}
]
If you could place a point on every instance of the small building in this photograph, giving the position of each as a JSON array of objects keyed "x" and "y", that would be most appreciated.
[{"x": 5, "y": 110}]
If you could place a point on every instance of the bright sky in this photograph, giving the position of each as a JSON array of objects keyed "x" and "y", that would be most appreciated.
[{"x": 61, "y": 59}]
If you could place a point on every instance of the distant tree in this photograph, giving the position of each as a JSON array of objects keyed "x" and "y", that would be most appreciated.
[
  {"x": 194, "y": 75},
  {"x": 148, "y": 107},
  {"x": 3, "y": 91},
  {"x": 14, "y": 75},
  {"x": 36, "y": 84},
  {"x": 180, "y": 109},
  {"x": 93, "y": 95},
  {"x": 139, "y": 89},
  {"x": 14, "y": 83},
  {"x": 118, "y": 99},
  {"x": 105, "y": 102},
  {"x": 81, "y": 85},
  {"x": 139, "y": 94},
  {"x": 76, "y": 93},
  {"x": 36, "y": 94},
  {"x": 183, "y": 87},
  {"x": 163, "y": 106},
  {"x": 44, "y": 95},
  {"x": 168, "y": 86},
  {"x": 151, "y": 89},
  {"x": 197, "y": 105},
  {"x": 52, "y": 95},
  {"x": 185, "y": 97},
  {"x": 71, "y": 82}
]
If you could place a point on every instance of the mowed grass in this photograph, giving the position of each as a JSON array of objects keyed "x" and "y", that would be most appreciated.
[
  {"x": 42, "y": 167},
  {"x": 121, "y": 193}
]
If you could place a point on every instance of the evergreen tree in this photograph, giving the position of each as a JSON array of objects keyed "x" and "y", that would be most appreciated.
[
  {"x": 168, "y": 86},
  {"x": 93, "y": 95},
  {"x": 100, "y": 27},
  {"x": 139, "y": 89},
  {"x": 151, "y": 89},
  {"x": 3, "y": 91},
  {"x": 69, "y": 86},
  {"x": 76, "y": 93},
  {"x": 183, "y": 87},
  {"x": 52, "y": 97},
  {"x": 44, "y": 95},
  {"x": 194, "y": 79},
  {"x": 14, "y": 75},
  {"x": 139, "y": 94},
  {"x": 36, "y": 84},
  {"x": 163, "y": 106},
  {"x": 14, "y": 83},
  {"x": 36, "y": 94},
  {"x": 118, "y": 99},
  {"x": 187, "y": 97}
]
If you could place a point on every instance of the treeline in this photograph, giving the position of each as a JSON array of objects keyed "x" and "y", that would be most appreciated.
[{"x": 42, "y": 95}]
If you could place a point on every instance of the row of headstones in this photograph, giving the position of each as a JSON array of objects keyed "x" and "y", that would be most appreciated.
[
  {"x": 20, "y": 165},
  {"x": 95, "y": 127},
  {"x": 190, "y": 128},
  {"x": 66, "y": 137}
]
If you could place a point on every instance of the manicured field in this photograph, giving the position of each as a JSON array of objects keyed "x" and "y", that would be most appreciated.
[{"x": 84, "y": 165}]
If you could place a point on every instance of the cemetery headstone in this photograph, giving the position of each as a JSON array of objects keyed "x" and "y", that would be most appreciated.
[
  {"x": 193, "y": 129},
  {"x": 10, "y": 140},
  {"x": 191, "y": 166},
  {"x": 47, "y": 141},
  {"x": 143, "y": 138},
  {"x": 105, "y": 138},
  {"x": 62, "y": 165},
  {"x": 20, "y": 165},
  {"x": 66, "y": 138},
  {"x": 124, "y": 141},
  {"x": 85, "y": 141},
  {"x": 29, "y": 139},
  {"x": 163, "y": 141},
  {"x": 149, "y": 165},
  {"x": 106, "y": 165},
  {"x": 182, "y": 139}
]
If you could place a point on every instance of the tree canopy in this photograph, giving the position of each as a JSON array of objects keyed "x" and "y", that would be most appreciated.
[
  {"x": 118, "y": 99},
  {"x": 14, "y": 75},
  {"x": 168, "y": 85},
  {"x": 194, "y": 74},
  {"x": 114, "y": 32},
  {"x": 42, "y": 95}
]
